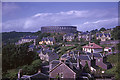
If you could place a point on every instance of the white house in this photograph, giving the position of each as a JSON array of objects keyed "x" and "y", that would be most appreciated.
[
  {"x": 28, "y": 39},
  {"x": 108, "y": 49},
  {"x": 92, "y": 48}
]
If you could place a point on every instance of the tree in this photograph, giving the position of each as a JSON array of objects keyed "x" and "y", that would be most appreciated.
[
  {"x": 118, "y": 64},
  {"x": 102, "y": 29},
  {"x": 86, "y": 68},
  {"x": 15, "y": 56},
  {"x": 116, "y": 33},
  {"x": 94, "y": 31}
]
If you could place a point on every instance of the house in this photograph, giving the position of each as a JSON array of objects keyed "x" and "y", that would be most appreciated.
[
  {"x": 31, "y": 47},
  {"x": 69, "y": 37},
  {"x": 92, "y": 48},
  {"x": 28, "y": 39},
  {"x": 108, "y": 49},
  {"x": 47, "y": 40},
  {"x": 84, "y": 35},
  {"x": 53, "y": 63},
  {"x": 103, "y": 36},
  {"x": 67, "y": 56},
  {"x": 62, "y": 70},
  {"x": 98, "y": 59},
  {"x": 84, "y": 59},
  {"x": 47, "y": 55}
]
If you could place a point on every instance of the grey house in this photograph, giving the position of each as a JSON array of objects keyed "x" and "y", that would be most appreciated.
[
  {"x": 98, "y": 58},
  {"x": 62, "y": 71},
  {"x": 69, "y": 37},
  {"x": 47, "y": 55},
  {"x": 84, "y": 35},
  {"x": 84, "y": 59}
]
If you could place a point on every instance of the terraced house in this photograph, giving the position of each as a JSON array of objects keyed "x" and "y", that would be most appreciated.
[
  {"x": 103, "y": 36},
  {"x": 47, "y": 40}
]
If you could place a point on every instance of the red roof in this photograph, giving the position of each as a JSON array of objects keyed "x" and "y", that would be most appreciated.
[
  {"x": 92, "y": 45},
  {"x": 106, "y": 47}
]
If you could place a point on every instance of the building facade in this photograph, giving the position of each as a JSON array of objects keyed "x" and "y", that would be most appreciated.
[
  {"x": 69, "y": 37},
  {"x": 86, "y": 36},
  {"x": 103, "y": 36},
  {"x": 47, "y": 40},
  {"x": 92, "y": 48}
]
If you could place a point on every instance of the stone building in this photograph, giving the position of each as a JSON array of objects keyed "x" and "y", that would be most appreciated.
[{"x": 58, "y": 29}]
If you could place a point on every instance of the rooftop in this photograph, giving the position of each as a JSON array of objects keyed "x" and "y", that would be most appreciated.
[{"x": 92, "y": 45}]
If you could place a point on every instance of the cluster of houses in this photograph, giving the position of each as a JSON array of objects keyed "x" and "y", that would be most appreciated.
[
  {"x": 67, "y": 37},
  {"x": 87, "y": 36},
  {"x": 27, "y": 39},
  {"x": 71, "y": 64},
  {"x": 47, "y": 40}
]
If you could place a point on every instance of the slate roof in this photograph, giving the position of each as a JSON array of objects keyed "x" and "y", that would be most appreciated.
[
  {"x": 97, "y": 55},
  {"x": 54, "y": 63},
  {"x": 69, "y": 34},
  {"x": 30, "y": 37},
  {"x": 84, "y": 33},
  {"x": 31, "y": 46},
  {"x": 53, "y": 56},
  {"x": 101, "y": 34},
  {"x": 72, "y": 60},
  {"x": 47, "y": 51},
  {"x": 48, "y": 39},
  {"x": 39, "y": 51},
  {"x": 35, "y": 76},
  {"x": 84, "y": 57},
  {"x": 64, "y": 56},
  {"x": 92, "y": 45},
  {"x": 74, "y": 70}
]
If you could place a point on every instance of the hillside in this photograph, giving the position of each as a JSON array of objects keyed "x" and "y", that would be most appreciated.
[{"x": 13, "y": 36}]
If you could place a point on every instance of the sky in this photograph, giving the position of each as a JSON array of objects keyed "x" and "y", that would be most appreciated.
[{"x": 31, "y": 16}]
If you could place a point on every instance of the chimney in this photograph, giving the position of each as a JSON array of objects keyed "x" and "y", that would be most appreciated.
[
  {"x": 34, "y": 42},
  {"x": 39, "y": 71},
  {"x": 78, "y": 62},
  {"x": 92, "y": 54},
  {"x": 20, "y": 73}
]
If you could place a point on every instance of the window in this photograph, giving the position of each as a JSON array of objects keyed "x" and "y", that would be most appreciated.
[
  {"x": 61, "y": 75},
  {"x": 98, "y": 60}
]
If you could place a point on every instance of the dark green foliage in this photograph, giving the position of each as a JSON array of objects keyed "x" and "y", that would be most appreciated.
[
  {"x": 86, "y": 68},
  {"x": 95, "y": 41},
  {"x": 15, "y": 56},
  {"x": 26, "y": 70},
  {"x": 116, "y": 33},
  {"x": 32, "y": 68},
  {"x": 94, "y": 31},
  {"x": 102, "y": 29},
  {"x": 12, "y": 37},
  {"x": 118, "y": 64},
  {"x": 59, "y": 38}
]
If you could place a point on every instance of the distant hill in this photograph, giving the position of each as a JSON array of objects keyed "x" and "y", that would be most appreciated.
[{"x": 13, "y": 36}]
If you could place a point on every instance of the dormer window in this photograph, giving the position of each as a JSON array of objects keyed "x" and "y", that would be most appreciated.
[{"x": 91, "y": 45}]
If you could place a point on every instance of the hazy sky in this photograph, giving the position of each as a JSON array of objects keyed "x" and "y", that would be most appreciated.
[{"x": 30, "y": 16}]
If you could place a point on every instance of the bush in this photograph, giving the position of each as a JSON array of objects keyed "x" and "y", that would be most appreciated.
[{"x": 32, "y": 68}]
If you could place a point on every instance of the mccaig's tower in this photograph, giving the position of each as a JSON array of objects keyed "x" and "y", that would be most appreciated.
[{"x": 59, "y": 29}]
